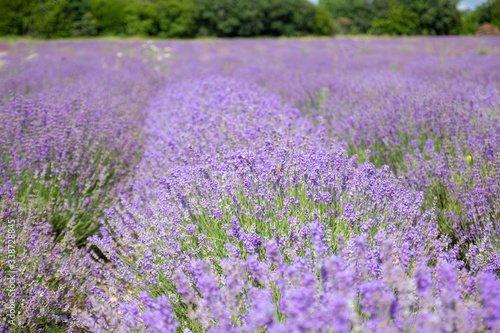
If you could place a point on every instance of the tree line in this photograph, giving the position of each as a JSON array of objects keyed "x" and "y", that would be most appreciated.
[
  {"x": 240, "y": 18},
  {"x": 410, "y": 17}
]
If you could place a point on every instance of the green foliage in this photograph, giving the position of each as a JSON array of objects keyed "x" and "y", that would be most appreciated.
[
  {"x": 289, "y": 18},
  {"x": 48, "y": 18},
  {"x": 240, "y": 18},
  {"x": 495, "y": 16},
  {"x": 52, "y": 18},
  {"x": 15, "y": 17},
  {"x": 436, "y": 17},
  {"x": 110, "y": 16},
  {"x": 85, "y": 26},
  {"x": 323, "y": 22},
  {"x": 397, "y": 17},
  {"x": 140, "y": 18},
  {"x": 176, "y": 18},
  {"x": 470, "y": 22},
  {"x": 231, "y": 18},
  {"x": 162, "y": 18},
  {"x": 360, "y": 12},
  {"x": 489, "y": 12},
  {"x": 83, "y": 22},
  {"x": 399, "y": 22}
]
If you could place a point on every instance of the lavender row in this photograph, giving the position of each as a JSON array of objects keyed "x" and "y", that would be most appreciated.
[{"x": 71, "y": 133}]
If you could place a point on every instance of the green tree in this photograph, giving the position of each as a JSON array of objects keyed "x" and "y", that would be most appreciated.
[
  {"x": 230, "y": 18},
  {"x": 323, "y": 22},
  {"x": 16, "y": 16},
  {"x": 52, "y": 19},
  {"x": 470, "y": 22},
  {"x": 289, "y": 18},
  {"x": 85, "y": 26},
  {"x": 489, "y": 12},
  {"x": 140, "y": 18},
  {"x": 381, "y": 8},
  {"x": 437, "y": 17},
  {"x": 360, "y": 12},
  {"x": 162, "y": 18},
  {"x": 83, "y": 22},
  {"x": 399, "y": 22},
  {"x": 433, "y": 17},
  {"x": 176, "y": 18},
  {"x": 110, "y": 16}
]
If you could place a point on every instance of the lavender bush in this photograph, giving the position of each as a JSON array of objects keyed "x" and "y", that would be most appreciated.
[{"x": 244, "y": 185}]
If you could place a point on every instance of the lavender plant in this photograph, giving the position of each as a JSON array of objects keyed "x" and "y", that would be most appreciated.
[{"x": 264, "y": 185}]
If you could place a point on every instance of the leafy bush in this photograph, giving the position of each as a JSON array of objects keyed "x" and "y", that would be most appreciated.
[
  {"x": 488, "y": 29},
  {"x": 342, "y": 25}
]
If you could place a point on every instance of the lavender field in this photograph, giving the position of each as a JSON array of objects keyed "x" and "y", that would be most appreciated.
[{"x": 286, "y": 185}]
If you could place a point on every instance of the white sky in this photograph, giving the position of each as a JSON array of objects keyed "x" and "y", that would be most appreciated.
[{"x": 464, "y": 4}]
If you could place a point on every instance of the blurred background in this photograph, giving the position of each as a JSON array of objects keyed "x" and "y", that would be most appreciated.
[{"x": 246, "y": 18}]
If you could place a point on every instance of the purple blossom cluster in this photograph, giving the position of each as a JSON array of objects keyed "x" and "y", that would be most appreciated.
[{"x": 254, "y": 185}]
